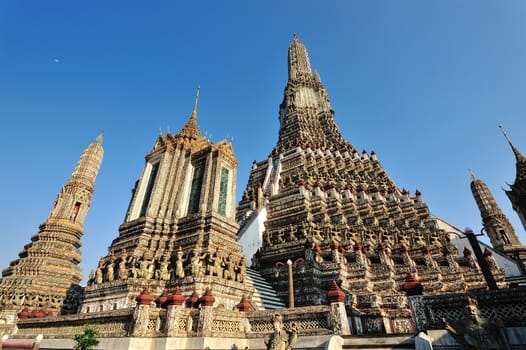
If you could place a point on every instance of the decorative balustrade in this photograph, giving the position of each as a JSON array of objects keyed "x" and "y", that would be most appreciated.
[
  {"x": 306, "y": 320},
  {"x": 115, "y": 323},
  {"x": 506, "y": 305},
  {"x": 181, "y": 322}
]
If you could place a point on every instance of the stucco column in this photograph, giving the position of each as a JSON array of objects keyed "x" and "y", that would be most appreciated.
[
  {"x": 141, "y": 316},
  {"x": 291, "y": 284},
  {"x": 416, "y": 305},
  {"x": 173, "y": 314},
  {"x": 206, "y": 317},
  {"x": 339, "y": 320}
]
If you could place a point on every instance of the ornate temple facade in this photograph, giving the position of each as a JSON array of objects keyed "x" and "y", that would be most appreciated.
[
  {"x": 323, "y": 225},
  {"x": 180, "y": 228},
  {"x": 337, "y": 215},
  {"x": 497, "y": 226},
  {"x": 500, "y": 231},
  {"x": 47, "y": 268}
]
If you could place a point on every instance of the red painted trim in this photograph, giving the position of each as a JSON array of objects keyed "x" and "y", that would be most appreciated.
[{"x": 13, "y": 345}]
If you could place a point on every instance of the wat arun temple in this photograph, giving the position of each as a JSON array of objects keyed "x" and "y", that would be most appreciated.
[{"x": 323, "y": 251}]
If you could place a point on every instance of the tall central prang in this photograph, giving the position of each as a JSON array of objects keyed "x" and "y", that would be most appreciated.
[
  {"x": 305, "y": 115},
  {"x": 335, "y": 214}
]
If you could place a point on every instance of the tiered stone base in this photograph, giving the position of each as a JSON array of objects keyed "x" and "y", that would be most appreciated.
[{"x": 121, "y": 294}]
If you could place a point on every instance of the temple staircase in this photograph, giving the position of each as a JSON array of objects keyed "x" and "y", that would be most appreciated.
[
  {"x": 265, "y": 296},
  {"x": 271, "y": 179}
]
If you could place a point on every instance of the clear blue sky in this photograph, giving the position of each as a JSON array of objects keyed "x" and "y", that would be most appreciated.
[{"x": 423, "y": 83}]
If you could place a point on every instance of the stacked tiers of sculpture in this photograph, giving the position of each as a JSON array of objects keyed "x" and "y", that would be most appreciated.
[
  {"x": 180, "y": 229},
  {"x": 340, "y": 211}
]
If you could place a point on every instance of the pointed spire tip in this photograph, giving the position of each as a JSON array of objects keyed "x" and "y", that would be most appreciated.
[
  {"x": 194, "y": 112},
  {"x": 513, "y": 148},
  {"x": 191, "y": 130},
  {"x": 505, "y": 134},
  {"x": 472, "y": 175},
  {"x": 100, "y": 137}
]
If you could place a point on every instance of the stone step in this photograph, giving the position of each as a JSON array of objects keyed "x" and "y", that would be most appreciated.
[
  {"x": 271, "y": 178},
  {"x": 392, "y": 342},
  {"x": 264, "y": 302},
  {"x": 265, "y": 296},
  {"x": 255, "y": 275}
]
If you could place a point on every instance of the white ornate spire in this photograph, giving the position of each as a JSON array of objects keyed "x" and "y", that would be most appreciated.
[{"x": 299, "y": 63}]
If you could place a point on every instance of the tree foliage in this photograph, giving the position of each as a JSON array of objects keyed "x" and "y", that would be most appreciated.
[{"x": 86, "y": 340}]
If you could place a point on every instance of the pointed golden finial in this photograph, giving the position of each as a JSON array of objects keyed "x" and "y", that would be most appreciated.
[
  {"x": 472, "y": 175},
  {"x": 513, "y": 148},
  {"x": 504, "y": 133},
  {"x": 100, "y": 137},
  {"x": 317, "y": 76},
  {"x": 194, "y": 112}
]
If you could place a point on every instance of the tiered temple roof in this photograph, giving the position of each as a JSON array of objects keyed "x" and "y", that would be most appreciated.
[
  {"x": 180, "y": 229},
  {"x": 338, "y": 214},
  {"x": 47, "y": 268}
]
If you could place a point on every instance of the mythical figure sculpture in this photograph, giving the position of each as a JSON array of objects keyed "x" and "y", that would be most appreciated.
[
  {"x": 91, "y": 278},
  {"x": 196, "y": 264},
  {"x": 110, "y": 272},
  {"x": 122, "y": 270},
  {"x": 229, "y": 268},
  {"x": 151, "y": 270},
  {"x": 179, "y": 270},
  {"x": 241, "y": 270},
  {"x": 133, "y": 264},
  {"x": 281, "y": 339},
  {"x": 163, "y": 273},
  {"x": 99, "y": 275},
  {"x": 215, "y": 262},
  {"x": 73, "y": 299},
  {"x": 280, "y": 234},
  {"x": 268, "y": 238},
  {"x": 143, "y": 268},
  {"x": 478, "y": 332},
  {"x": 292, "y": 233}
]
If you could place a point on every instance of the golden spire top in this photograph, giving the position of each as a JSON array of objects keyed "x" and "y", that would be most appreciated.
[
  {"x": 191, "y": 130},
  {"x": 504, "y": 133},
  {"x": 519, "y": 159},
  {"x": 472, "y": 175},
  {"x": 100, "y": 137},
  {"x": 194, "y": 112},
  {"x": 513, "y": 148},
  {"x": 298, "y": 60}
]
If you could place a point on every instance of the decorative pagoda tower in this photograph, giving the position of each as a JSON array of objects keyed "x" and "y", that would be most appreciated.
[
  {"x": 517, "y": 192},
  {"x": 47, "y": 269},
  {"x": 497, "y": 226},
  {"x": 335, "y": 214},
  {"x": 180, "y": 228}
]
